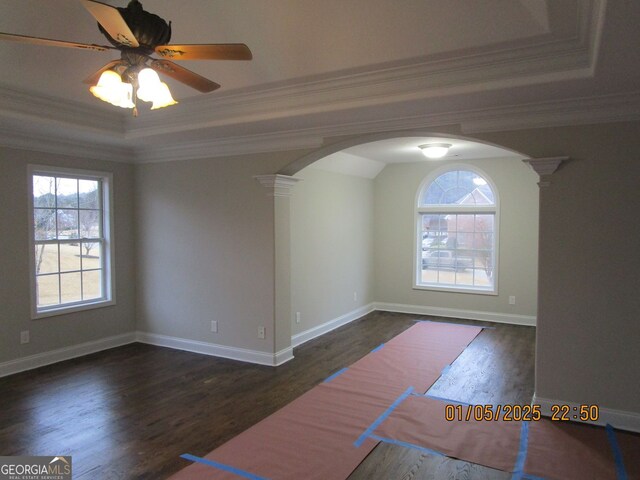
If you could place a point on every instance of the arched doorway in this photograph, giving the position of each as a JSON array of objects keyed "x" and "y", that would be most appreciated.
[{"x": 392, "y": 258}]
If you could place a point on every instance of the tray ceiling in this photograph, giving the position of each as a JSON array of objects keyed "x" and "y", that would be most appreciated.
[{"x": 368, "y": 64}]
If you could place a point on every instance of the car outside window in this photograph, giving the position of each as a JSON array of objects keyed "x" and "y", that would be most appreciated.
[{"x": 456, "y": 234}]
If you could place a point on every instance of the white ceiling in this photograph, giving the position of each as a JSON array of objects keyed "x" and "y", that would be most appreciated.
[{"x": 326, "y": 68}]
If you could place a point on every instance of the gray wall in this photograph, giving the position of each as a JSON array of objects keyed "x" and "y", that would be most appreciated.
[
  {"x": 588, "y": 316},
  {"x": 396, "y": 188},
  {"x": 331, "y": 246},
  {"x": 205, "y": 249},
  {"x": 59, "y": 331}
]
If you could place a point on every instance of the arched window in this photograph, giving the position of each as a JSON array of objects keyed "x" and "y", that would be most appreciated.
[{"x": 457, "y": 232}]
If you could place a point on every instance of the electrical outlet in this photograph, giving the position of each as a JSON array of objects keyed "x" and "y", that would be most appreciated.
[
  {"x": 261, "y": 332},
  {"x": 512, "y": 300},
  {"x": 297, "y": 317},
  {"x": 24, "y": 336},
  {"x": 214, "y": 326},
  {"x": 355, "y": 296}
]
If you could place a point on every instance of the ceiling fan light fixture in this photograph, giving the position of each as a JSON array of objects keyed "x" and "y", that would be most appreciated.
[
  {"x": 138, "y": 34},
  {"x": 435, "y": 150},
  {"x": 113, "y": 90}
]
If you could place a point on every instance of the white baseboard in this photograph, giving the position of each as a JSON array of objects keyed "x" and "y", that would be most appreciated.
[
  {"x": 283, "y": 356},
  {"x": 619, "y": 419},
  {"x": 302, "y": 337},
  {"x": 252, "y": 356},
  {"x": 457, "y": 313},
  {"x": 47, "y": 358},
  {"x": 213, "y": 349}
]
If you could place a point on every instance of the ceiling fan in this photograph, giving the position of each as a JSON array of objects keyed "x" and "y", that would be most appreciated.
[{"x": 138, "y": 34}]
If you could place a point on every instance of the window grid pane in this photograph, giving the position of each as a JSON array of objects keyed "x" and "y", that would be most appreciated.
[
  {"x": 68, "y": 240},
  {"x": 48, "y": 290},
  {"x": 457, "y": 250},
  {"x": 458, "y": 187}
]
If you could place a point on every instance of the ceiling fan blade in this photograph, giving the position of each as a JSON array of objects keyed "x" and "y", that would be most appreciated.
[
  {"x": 183, "y": 75},
  {"x": 111, "y": 20},
  {"x": 93, "y": 78},
  {"x": 220, "y": 51},
  {"x": 51, "y": 43}
]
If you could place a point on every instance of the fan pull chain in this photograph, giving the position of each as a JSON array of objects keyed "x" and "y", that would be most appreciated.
[{"x": 135, "y": 101}]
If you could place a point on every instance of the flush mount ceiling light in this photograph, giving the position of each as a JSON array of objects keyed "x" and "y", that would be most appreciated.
[{"x": 435, "y": 150}]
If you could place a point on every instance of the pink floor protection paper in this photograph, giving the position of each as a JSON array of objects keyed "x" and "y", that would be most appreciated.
[
  {"x": 542, "y": 449},
  {"x": 315, "y": 436},
  {"x": 421, "y": 421},
  {"x": 327, "y": 432}
]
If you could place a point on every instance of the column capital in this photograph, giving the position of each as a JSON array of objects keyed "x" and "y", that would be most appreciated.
[
  {"x": 545, "y": 167},
  {"x": 277, "y": 185}
]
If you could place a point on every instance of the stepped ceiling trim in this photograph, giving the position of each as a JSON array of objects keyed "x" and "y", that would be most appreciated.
[
  {"x": 611, "y": 108},
  {"x": 264, "y": 118}
]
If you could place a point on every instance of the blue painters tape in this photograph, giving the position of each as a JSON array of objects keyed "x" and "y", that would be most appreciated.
[
  {"x": 382, "y": 417},
  {"x": 621, "y": 472},
  {"x": 337, "y": 374},
  {"x": 222, "y": 466},
  {"x": 445, "y": 370},
  {"x": 518, "y": 469},
  {"x": 377, "y": 348},
  {"x": 408, "y": 445},
  {"x": 447, "y": 400}
]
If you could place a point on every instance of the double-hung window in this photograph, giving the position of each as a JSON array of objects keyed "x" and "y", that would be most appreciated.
[
  {"x": 457, "y": 232},
  {"x": 71, "y": 240}
]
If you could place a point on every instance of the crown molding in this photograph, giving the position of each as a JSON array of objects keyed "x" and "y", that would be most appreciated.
[
  {"x": 229, "y": 146},
  {"x": 37, "y": 142},
  {"x": 17, "y": 105},
  {"x": 619, "y": 107},
  {"x": 577, "y": 111}
]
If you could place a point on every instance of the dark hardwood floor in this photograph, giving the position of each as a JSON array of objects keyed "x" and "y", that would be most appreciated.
[{"x": 130, "y": 412}]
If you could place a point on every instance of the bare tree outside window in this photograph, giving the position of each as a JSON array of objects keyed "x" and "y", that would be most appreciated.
[
  {"x": 44, "y": 215},
  {"x": 68, "y": 239},
  {"x": 89, "y": 221}
]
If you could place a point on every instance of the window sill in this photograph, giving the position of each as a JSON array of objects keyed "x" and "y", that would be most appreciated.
[
  {"x": 454, "y": 289},
  {"x": 63, "y": 310}
]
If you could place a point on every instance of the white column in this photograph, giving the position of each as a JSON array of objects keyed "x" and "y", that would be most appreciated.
[{"x": 280, "y": 188}]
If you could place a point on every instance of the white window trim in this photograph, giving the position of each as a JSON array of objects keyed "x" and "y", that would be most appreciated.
[
  {"x": 108, "y": 235},
  {"x": 417, "y": 234}
]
